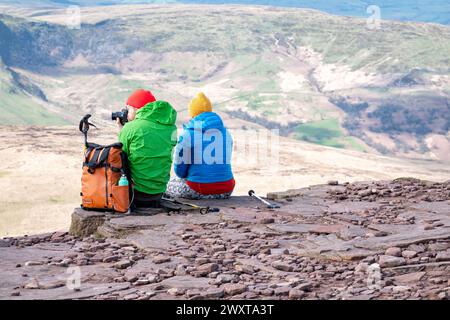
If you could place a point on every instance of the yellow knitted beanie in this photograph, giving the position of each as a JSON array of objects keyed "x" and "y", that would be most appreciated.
[{"x": 199, "y": 105}]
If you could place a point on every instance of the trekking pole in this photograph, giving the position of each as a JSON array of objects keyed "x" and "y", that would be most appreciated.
[
  {"x": 252, "y": 193},
  {"x": 84, "y": 127},
  {"x": 203, "y": 210}
]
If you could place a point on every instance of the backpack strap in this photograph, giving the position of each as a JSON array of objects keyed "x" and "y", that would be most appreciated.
[
  {"x": 93, "y": 163},
  {"x": 87, "y": 153},
  {"x": 103, "y": 160}
]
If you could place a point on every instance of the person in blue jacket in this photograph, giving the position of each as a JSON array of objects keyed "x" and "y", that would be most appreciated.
[{"x": 203, "y": 156}]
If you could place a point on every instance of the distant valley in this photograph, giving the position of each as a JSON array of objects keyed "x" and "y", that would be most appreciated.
[{"x": 315, "y": 77}]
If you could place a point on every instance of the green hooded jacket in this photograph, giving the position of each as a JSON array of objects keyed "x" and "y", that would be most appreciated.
[{"x": 148, "y": 141}]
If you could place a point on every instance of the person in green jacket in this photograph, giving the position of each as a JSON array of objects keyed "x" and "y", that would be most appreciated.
[{"x": 148, "y": 140}]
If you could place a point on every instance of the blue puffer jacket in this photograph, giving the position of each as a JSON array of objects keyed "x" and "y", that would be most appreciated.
[{"x": 203, "y": 152}]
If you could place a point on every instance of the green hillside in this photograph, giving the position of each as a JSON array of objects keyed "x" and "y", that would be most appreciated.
[
  {"x": 303, "y": 72},
  {"x": 18, "y": 108}
]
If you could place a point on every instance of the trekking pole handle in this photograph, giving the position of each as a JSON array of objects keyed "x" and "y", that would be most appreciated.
[
  {"x": 84, "y": 123},
  {"x": 252, "y": 193}
]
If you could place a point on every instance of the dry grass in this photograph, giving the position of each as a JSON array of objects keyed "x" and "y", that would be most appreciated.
[{"x": 40, "y": 172}]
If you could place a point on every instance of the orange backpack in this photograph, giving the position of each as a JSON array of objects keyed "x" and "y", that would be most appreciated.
[{"x": 102, "y": 168}]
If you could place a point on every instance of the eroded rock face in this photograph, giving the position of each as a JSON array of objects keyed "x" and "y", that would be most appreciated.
[
  {"x": 85, "y": 223},
  {"x": 353, "y": 241}
]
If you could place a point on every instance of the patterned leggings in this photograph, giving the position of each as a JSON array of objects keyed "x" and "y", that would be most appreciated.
[{"x": 177, "y": 188}]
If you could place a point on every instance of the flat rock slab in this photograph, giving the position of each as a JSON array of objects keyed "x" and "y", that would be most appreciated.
[
  {"x": 232, "y": 202},
  {"x": 420, "y": 267},
  {"x": 318, "y": 192},
  {"x": 409, "y": 278},
  {"x": 11, "y": 255},
  {"x": 149, "y": 222},
  {"x": 402, "y": 239},
  {"x": 11, "y": 276},
  {"x": 293, "y": 193},
  {"x": 393, "y": 229},
  {"x": 153, "y": 239},
  {"x": 128, "y": 225},
  {"x": 186, "y": 282},
  {"x": 330, "y": 247},
  {"x": 86, "y": 291},
  {"x": 245, "y": 215},
  {"x": 433, "y": 207},
  {"x": 351, "y": 206},
  {"x": 163, "y": 219},
  {"x": 304, "y": 208},
  {"x": 294, "y": 228}
]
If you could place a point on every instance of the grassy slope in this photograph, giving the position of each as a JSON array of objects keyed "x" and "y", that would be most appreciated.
[
  {"x": 20, "y": 109},
  {"x": 16, "y": 107},
  {"x": 328, "y": 133}
]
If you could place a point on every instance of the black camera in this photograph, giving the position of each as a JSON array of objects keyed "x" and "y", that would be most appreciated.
[{"x": 122, "y": 115}]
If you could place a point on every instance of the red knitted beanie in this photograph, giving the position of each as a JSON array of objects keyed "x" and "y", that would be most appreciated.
[{"x": 140, "y": 98}]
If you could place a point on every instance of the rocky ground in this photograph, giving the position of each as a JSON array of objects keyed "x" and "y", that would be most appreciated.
[{"x": 378, "y": 240}]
